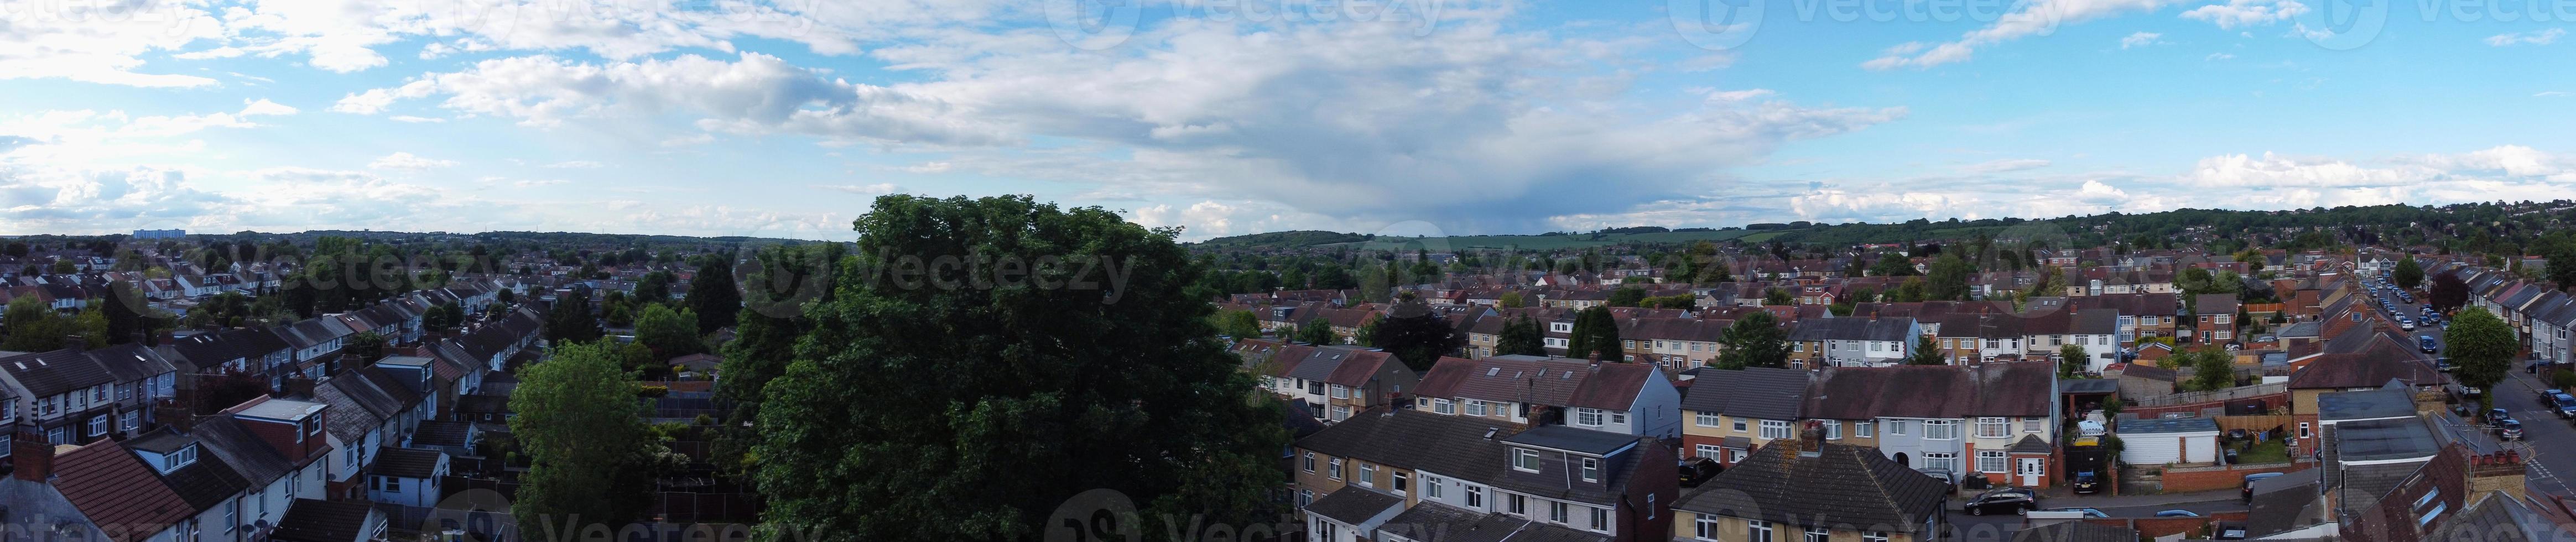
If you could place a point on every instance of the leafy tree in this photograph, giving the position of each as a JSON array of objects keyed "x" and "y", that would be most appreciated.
[
  {"x": 1511, "y": 300},
  {"x": 1775, "y": 297},
  {"x": 1891, "y": 265},
  {"x": 91, "y": 325},
  {"x": 1755, "y": 340},
  {"x": 655, "y": 287},
  {"x": 129, "y": 316},
  {"x": 1240, "y": 324},
  {"x": 1134, "y": 396},
  {"x": 713, "y": 296},
  {"x": 2214, "y": 368},
  {"x": 1914, "y": 289},
  {"x": 669, "y": 333},
  {"x": 1949, "y": 278},
  {"x": 770, "y": 322},
  {"x": 2448, "y": 293},
  {"x": 2408, "y": 273},
  {"x": 1366, "y": 335},
  {"x": 1595, "y": 333},
  {"x": 2483, "y": 347},
  {"x": 32, "y": 326},
  {"x": 1675, "y": 301},
  {"x": 1316, "y": 331},
  {"x": 1520, "y": 336},
  {"x": 368, "y": 345},
  {"x": 569, "y": 320},
  {"x": 2071, "y": 360},
  {"x": 582, "y": 427},
  {"x": 65, "y": 267},
  {"x": 1416, "y": 334},
  {"x": 1627, "y": 296},
  {"x": 1926, "y": 352}
]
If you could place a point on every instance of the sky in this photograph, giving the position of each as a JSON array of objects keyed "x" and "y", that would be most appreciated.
[{"x": 785, "y": 118}]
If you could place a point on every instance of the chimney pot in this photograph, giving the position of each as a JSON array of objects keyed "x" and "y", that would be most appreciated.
[{"x": 33, "y": 457}]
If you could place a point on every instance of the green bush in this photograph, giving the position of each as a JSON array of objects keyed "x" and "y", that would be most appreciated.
[{"x": 2563, "y": 379}]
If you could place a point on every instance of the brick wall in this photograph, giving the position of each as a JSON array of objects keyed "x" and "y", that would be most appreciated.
[{"x": 2213, "y": 479}]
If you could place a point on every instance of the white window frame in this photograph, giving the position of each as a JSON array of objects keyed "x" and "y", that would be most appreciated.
[
  {"x": 1865, "y": 429},
  {"x": 1443, "y": 406},
  {"x": 1940, "y": 429},
  {"x": 1993, "y": 427},
  {"x": 1757, "y": 531},
  {"x": 1704, "y": 419},
  {"x": 1336, "y": 472},
  {"x": 1775, "y": 430},
  {"x": 1704, "y": 527},
  {"x": 1521, "y": 455},
  {"x": 1475, "y": 407},
  {"x": 1590, "y": 470},
  {"x": 1833, "y": 429},
  {"x": 2001, "y": 463}
]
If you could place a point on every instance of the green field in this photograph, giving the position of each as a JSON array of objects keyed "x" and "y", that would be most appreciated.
[{"x": 1554, "y": 242}]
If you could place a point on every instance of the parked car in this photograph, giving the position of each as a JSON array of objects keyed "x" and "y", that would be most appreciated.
[
  {"x": 1698, "y": 470},
  {"x": 2405, "y": 323},
  {"x": 2250, "y": 479},
  {"x": 2497, "y": 416},
  {"x": 2563, "y": 404},
  {"x": 2512, "y": 430},
  {"x": 2008, "y": 502},
  {"x": 2428, "y": 344},
  {"x": 2177, "y": 513},
  {"x": 2088, "y": 482},
  {"x": 2444, "y": 364}
]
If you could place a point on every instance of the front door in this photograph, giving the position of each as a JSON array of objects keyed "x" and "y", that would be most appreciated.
[{"x": 2030, "y": 471}]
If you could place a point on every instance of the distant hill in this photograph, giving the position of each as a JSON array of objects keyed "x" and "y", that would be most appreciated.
[
  {"x": 1547, "y": 241},
  {"x": 1283, "y": 239}
]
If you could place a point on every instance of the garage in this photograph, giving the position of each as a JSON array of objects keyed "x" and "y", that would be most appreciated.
[{"x": 2165, "y": 441}]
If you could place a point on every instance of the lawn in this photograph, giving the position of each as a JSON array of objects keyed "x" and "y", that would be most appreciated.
[{"x": 2272, "y": 451}]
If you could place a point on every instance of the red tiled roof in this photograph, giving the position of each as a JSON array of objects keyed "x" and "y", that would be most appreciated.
[{"x": 112, "y": 487}]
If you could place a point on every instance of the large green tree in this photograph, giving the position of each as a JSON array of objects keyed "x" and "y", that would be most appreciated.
[
  {"x": 2408, "y": 273},
  {"x": 570, "y": 320},
  {"x": 1240, "y": 324},
  {"x": 995, "y": 405},
  {"x": 783, "y": 280},
  {"x": 669, "y": 333},
  {"x": 2482, "y": 346},
  {"x": 32, "y": 326},
  {"x": 1316, "y": 331},
  {"x": 1627, "y": 296},
  {"x": 2213, "y": 368},
  {"x": 1949, "y": 278},
  {"x": 1520, "y": 337},
  {"x": 1416, "y": 334},
  {"x": 580, "y": 423},
  {"x": 713, "y": 295},
  {"x": 1926, "y": 352},
  {"x": 1755, "y": 340},
  {"x": 1596, "y": 332}
]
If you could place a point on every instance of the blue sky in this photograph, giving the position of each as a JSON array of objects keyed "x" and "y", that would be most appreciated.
[{"x": 783, "y": 118}]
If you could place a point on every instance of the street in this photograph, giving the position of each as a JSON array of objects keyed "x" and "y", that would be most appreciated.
[
  {"x": 2000, "y": 527},
  {"x": 2549, "y": 443}
]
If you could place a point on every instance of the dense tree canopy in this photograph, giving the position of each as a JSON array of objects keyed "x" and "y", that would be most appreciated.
[
  {"x": 1754, "y": 341},
  {"x": 2408, "y": 274},
  {"x": 1596, "y": 333},
  {"x": 581, "y": 425},
  {"x": 2483, "y": 347},
  {"x": 1520, "y": 336},
  {"x": 1416, "y": 334},
  {"x": 1015, "y": 397}
]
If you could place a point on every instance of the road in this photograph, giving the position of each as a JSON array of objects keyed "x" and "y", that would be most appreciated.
[
  {"x": 2413, "y": 310},
  {"x": 2549, "y": 443}
]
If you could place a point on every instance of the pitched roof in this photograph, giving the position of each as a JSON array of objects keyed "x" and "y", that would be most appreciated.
[
  {"x": 442, "y": 433},
  {"x": 1613, "y": 386},
  {"x": 310, "y": 520},
  {"x": 1353, "y": 505},
  {"x": 406, "y": 462},
  {"x": 1435, "y": 522},
  {"x": 2367, "y": 369},
  {"x": 246, "y": 452},
  {"x": 113, "y": 487},
  {"x": 55, "y": 372},
  {"x": 1840, "y": 485},
  {"x": 1753, "y": 392},
  {"x": 1410, "y": 439},
  {"x": 1523, "y": 379},
  {"x": 1932, "y": 391}
]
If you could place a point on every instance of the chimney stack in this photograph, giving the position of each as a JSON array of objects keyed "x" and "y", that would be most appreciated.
[
  {"x": 33, "y": 457},
  {"x": 1811, "y": 439}
]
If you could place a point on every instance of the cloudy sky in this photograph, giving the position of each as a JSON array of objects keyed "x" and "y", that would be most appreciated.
[{"x": 783, "y": 117}]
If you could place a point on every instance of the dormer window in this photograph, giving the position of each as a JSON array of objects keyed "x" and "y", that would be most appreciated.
[
  {"x": 182, "y": 457},
  {"x": 1525, "y": 460},
  {"x": 1591, "y": 469}
]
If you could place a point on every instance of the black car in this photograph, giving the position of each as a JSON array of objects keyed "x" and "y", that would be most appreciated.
[
  {"x": 2088, "y": 482},
  {"x": 1699, "y": 470},
  {"x": 2008, "y": 502},
  {"x": 2426, "y": 341}
]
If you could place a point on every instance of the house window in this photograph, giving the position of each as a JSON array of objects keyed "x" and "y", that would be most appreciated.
[
  {"x": 1709, "y": 451},
  {"x": 1591, "y": 469},
  {"x": 1991, "y": 427},
  {"x": 1704, "y": 419},
  {"x": 1775, "y": 429},
  {"x": 1475, "y": 496},
  {"x": 1431, "y": 486},
  {"x": 1618, "y": 416},
  {"x": 2032, "y": 425},
  {"x": 1402, "y": 480},
  {"x": 1705, "y": 527},
  {"x": 1368, "y": 475},
  {"x": 1305, "y": 497},
  {"x": 1516, "y": 504},
  {"x": 1526, "y": 460},
  {"x": 1310, "y": 462},
  {"x": 1941, "y": 429},
  {"x": 392, "y": 484},
  {"x": 1873, "y": 536},
  {"x": 1443, "y": 406},
  {"x": 1899, "y": 427},
  {"x": 1819, "y": 534},
  {"x": 1865, "y": 429},
  {"x": 1588, "y": 417},
  {"x": 1340, "y": 392},
  {"x": 1556, "y": 512},
  {"x": 1757, "y": 531},
  {"x": 2304, "y": 432},
  {"x": 1475, "y": 407},
  {"x": 1833, "y": 430},
  {"x": 1941, "y": 460},
  {"x": 1336, "y": 473},
  {"x": 132, "y": 420},
  {"x": 98, "y": 425},
  {"x": 1739, "y": 425},
  {"x": 1990, "y": 461},
  {"x": 1601, "y": 516}
]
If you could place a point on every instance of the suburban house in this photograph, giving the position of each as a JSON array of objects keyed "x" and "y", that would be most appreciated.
[
  {"x": 1996, "y": 420},
  {"x": 1810, "y": 489},
  {"x": 1732, "y": 413},
  {"x": 1557, "y": 482},
  {"x": 1335, "y": 381},
  {"x": 1624, "y": 398},
  {"x": 1852, "y": 342}
]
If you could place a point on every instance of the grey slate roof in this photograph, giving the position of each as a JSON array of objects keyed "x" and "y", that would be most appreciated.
[
  {"x": 1404, "y": 438},
  {"x": 2167, "y": 425},
  {"x": 1840, "y": 485},
  {"x": 2286, "y": 502},
  {"x": 1753, "y": 392},
  {"x": 55, "y": 372},
  {"x": 406, "y": 462},
  {"x": 1430, "y": 521},
  {"x": 1558, "y": 437},
  {"x": 2364, "y": 405},
  {"x": 247, "y": 453},
  {"x": 442, "y": 433},
  {"x": 1851, "y": 329},
  {"x": 310, "y": 520},
  {"x": 1353, "y": 505}
]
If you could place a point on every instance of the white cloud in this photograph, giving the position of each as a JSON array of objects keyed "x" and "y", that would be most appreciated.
[
  {"x": 2038, "y": 17},
  {"x": 406, "y": 161},
  {"x": 2214, "y": 57},
  {"x": 2539, "y": 37},
  {"x": 576, "y": 164},
  {"x": 413, "y": 119},
  {"x": 863, "y": 189},
  {"x": 100, "y": 42},
  {"x": 2004, "y": 165},
  {"x": 532, "y": 183},
  {"x": 264, "y": 107},
  {"x": 758, "y": 94},
  {"x": 2140, "y": 39},
  {"x": 929, "y": 167},
  {"x": 2236, "y": 13}
]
